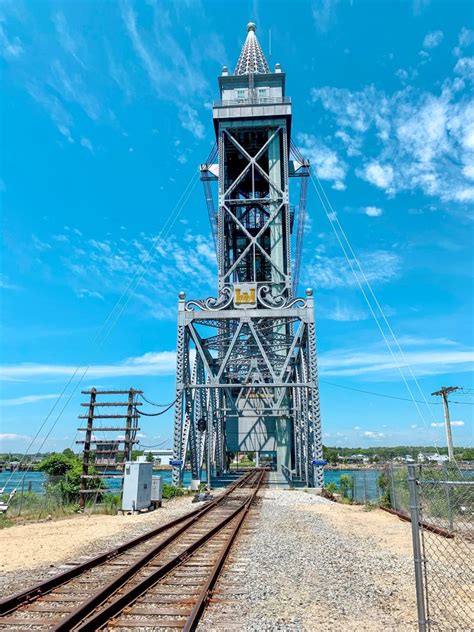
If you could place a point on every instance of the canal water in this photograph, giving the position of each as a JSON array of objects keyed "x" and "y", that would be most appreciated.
[{"x": 365, "y": 482}]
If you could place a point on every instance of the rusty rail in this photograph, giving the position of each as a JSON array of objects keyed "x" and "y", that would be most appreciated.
[{"x": 21, "y": 598}]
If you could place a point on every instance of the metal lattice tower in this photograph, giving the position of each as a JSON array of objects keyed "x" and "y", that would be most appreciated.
[{"x": 246, "y": 361}]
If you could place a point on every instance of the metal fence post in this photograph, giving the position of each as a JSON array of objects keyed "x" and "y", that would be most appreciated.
[
  {"x": 417, "y": 558},
  {"x": 393, "y": 498}
]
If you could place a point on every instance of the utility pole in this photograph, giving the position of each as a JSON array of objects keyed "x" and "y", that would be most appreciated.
[{"x": 444, "y": 392}]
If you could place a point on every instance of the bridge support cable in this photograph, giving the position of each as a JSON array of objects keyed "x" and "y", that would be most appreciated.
[
  {"x": 106, "y": 328},
  {"x": 346, "y": 248}
]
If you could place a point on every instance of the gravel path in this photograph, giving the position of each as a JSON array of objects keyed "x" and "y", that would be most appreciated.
[{"x": 308, "y": 564}]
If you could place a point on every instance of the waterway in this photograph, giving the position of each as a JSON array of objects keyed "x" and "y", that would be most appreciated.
[{"x": 365, "y": 481}]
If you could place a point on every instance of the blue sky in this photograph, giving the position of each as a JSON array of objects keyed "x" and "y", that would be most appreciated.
[{"x": 106, "y": 115}]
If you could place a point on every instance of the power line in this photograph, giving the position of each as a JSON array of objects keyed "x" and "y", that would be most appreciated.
[
  {"x": 403, "y": 399},
  {"x": 334, "y": 221},
  {"x": 126, "y": 294},
  {"x": 160, "y": 412},
  {"x": 148, "y": 401}
]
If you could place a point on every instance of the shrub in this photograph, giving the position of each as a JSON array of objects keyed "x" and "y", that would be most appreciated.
[
  {"x": 345, "y": 484},
  {"x": 169, "y": 491}
]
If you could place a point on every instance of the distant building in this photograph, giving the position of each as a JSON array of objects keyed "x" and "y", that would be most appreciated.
[
  {"x": 355, "y": 458},
  {"x": 161, "y": 457},
  {"x": 437, "y": 458},
  {"x": 432, "y": 458}
]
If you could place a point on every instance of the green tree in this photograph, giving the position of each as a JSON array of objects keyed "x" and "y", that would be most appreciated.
[
  {"x": 57, "y": 464},
  {"x": 70, "y": 470}
]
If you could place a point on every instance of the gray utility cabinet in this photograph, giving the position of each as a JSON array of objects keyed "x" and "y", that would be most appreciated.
[
  {"x": 137, "y": 478},
  {"x": 157, "y": 489}
]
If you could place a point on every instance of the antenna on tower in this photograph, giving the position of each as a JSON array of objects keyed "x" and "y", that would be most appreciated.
[{"x": 269, "y": 44}]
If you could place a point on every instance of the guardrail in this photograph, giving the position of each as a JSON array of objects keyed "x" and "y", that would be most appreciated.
[{"x": 252, "y": 101}]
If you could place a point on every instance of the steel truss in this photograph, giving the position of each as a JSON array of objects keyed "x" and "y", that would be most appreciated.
[
  {"x": 246, "y": 360},
  {"x": 259, "y": 364}
]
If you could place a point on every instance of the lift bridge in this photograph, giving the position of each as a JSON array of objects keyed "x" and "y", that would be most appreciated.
[{"x": 246, "y": 375}]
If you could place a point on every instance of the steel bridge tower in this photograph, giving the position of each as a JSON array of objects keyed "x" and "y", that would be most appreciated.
[{"x": 246, "y": 375}]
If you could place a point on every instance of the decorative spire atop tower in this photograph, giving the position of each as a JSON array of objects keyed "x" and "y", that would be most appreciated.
[{"x": 251, "y": 60}]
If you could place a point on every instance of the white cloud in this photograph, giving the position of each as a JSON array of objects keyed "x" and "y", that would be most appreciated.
[
  {"x": 334, "y": 272},
  {"x": 441, "y": 424},
  {"x": 27, "y": 399},
  {"x": 377, "y": 362},
  {"x": 341, "y": 313},
  {"x": 85, "y": 293},
  {"x": 9, "y": 436},
  {"x": 422, "y": 141},
  {"x": 325, "y": 161},
  {"x": 6, "y": 284},
  {"x": 71, "y": 44},
  {"x": 420, "y": 5},
  {"x": 10, "y": 49},
  {"x": 73, "y": 89},
  {"x": 54, "y": 108},
  {"x": 85, "y": 142},
  {"x": 163, "y": 60},
  {"x": 323, "y": 13},
  {"x": 465, "y": 39},
  {"x": 465, "y": 67},
  {"x": 414, "y": 426},
  {"x": 377, "y": 174},
  {"x": 373, "y": 211},
  {"x": 433, "y": 39},
  {"x": 375, "y": 436},
  {"x": 190, "y": 121},
  {"x": 161, "y": 363}
]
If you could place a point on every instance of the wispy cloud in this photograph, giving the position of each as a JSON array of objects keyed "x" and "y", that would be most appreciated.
[
  {"x": 375, "y": 436},
  {"x": 379, "y": 364},
  {"x": 10, "y": 48},
  {"x": 425, "y": 141},
  {"x": 162, "y": 363},
  {"x": 72, "y": 44},
  {"x": 334, "y": 272},
  {"x": 373, "y": 211},
  {"x": 441, "y": 424},
  {"x": 340, "y": 312},
  {"x": 324, "y": 13},
  {"x": 163, "y": 60},
  {"x": 433, "y": 39},
  {"x": 27, "y": 399},
  {"x": 10, "y": 436},
  {"x": 6, "y": 284},
  {"x": 55, "y": 109},
  {"x": 325, "y": 161},
  {"x": 158, "y": 268},
  {"x": 72, "y": 88}
]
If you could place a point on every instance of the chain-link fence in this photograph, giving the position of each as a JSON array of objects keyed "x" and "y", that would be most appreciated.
[
  {"x": 441, "y": 504},
  {"x": 365, "y": 487},
  {"x": 54, "y": 498}
]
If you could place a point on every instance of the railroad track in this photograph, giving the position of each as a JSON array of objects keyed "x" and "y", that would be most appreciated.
[{"x": 160, "y": 580}]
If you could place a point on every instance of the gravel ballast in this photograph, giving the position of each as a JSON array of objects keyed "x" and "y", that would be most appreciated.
[{"x": 300, "y": 566}]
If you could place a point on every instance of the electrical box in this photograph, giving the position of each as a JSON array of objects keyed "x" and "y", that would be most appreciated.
[
  {"x": 156, "y": 490},
  {"x": 137, "y": 477}
]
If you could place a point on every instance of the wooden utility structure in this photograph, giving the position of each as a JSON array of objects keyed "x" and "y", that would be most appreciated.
[{"x": 105, "y": 453}]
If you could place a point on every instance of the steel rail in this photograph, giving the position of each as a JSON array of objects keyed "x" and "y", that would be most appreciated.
[
  {"x": 204, "y": 595},
  {"x": 110, "y": 610},
  {"x": 28, "y": 595}
]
